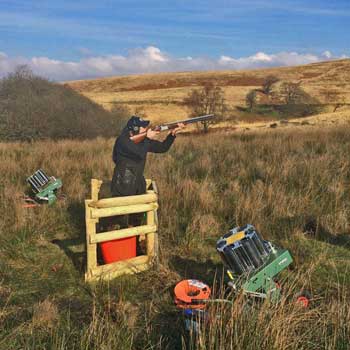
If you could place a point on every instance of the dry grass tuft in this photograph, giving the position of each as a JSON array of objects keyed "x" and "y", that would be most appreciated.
[{"x": 45, "y": 314}]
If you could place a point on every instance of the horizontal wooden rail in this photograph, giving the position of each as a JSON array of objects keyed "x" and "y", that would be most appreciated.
[
  {"x": 123, "y": 210},
  {"x": 124, "y": 233},
  {"x": 133, "y": 265},
  {"x": 149, "y": 197}
]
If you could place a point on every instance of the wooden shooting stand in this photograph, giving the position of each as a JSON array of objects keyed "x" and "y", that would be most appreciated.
[{"x": 96, "y": 208}]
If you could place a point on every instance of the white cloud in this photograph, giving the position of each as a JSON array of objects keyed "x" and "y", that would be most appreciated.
[
  {"x": 150, "y": 59},
  {"x": 327, "y": 54},
  {"x": 261, "y": 59},
  {"x": 155, "y": 54}
]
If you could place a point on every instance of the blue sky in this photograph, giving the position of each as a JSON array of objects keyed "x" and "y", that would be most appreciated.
[{"x": 81, "y": 35}]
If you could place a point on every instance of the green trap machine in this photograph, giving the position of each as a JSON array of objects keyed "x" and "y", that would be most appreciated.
[
  {"x": 44, "y": 187},
  {"x": 252, "y": 263}
]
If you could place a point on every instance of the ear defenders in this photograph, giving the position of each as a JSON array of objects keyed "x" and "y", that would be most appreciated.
[
  {"x": 135, "y": 123},
  {"x": 135, "y": 129}
]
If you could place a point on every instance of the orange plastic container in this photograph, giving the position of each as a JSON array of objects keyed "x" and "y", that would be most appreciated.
[{"x": 119, "y": 249}]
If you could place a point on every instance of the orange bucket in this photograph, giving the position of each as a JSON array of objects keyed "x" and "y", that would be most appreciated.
[{"x": 118, "y": 249}]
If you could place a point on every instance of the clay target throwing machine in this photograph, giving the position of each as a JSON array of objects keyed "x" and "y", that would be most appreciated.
[
  {"x": 252, "y": 263},
  {"x": 44, "y": 187}
]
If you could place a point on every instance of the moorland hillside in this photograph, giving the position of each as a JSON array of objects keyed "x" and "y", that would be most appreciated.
[{"x": 160, "y": 96}]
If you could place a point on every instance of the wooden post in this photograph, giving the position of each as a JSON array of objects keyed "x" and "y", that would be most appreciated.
[
  {"x": 152, "y": 219},
  {"x": 150, "y": 236},
  {"x": 91, "y": 248},
  {"x": 95, "y": 188},
  {"x": 148, "y": 183}
]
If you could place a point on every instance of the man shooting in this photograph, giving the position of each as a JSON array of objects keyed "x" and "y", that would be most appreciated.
[{"x": 129, "y": 156}]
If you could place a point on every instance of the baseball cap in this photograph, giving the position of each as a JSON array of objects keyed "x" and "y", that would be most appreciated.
[{"x": 135, "y": 122}]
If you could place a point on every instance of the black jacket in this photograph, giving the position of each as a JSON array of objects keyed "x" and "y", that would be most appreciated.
[{"x": 130, "y": 159}]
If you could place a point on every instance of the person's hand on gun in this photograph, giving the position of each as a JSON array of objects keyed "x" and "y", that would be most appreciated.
[
  {"x": 179, "y": 127},
  {"x": 151, "y": 134}
]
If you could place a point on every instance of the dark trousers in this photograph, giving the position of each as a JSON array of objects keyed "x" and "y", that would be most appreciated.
[{"x": 125, "y": 183}]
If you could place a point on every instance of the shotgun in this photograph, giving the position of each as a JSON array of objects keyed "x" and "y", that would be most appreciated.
[{"x": 168, "y": 126}]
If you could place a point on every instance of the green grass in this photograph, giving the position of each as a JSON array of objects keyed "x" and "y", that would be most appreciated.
[{"x": 284, "y": 183}]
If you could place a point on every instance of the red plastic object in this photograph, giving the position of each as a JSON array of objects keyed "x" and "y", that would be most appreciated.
[
  {"x": 119, "y": 249},
  {"x": 303, "y": 301}
]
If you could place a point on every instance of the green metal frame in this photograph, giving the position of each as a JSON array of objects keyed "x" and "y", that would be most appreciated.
[
  {"x": 48, "y": 193},
  {"x": 261, "y": 282}
]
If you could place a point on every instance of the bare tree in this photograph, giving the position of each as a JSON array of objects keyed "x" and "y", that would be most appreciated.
[
  {"x": 250, "y": 99},
  {"x": 268, "y": 82},
  {"x": 291, "y": 92},
  {"x": 297, "y": 101},
  {"x": 208, "y": 100}
]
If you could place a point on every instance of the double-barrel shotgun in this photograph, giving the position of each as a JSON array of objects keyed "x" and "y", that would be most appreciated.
[{"x": 168, "y": 126}]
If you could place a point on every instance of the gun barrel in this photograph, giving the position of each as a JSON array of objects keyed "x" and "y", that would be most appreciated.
[
  {"x": 192, "y": 120},
  {"x": 173, "y": 125}
]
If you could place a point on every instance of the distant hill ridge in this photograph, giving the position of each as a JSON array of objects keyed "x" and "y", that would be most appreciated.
[{"x": 160, "y": 95}]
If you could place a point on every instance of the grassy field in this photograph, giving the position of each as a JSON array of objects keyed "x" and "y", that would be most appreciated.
[
  {"x": 282, "y": 181},
  {"x": 160, "y": 96}
]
